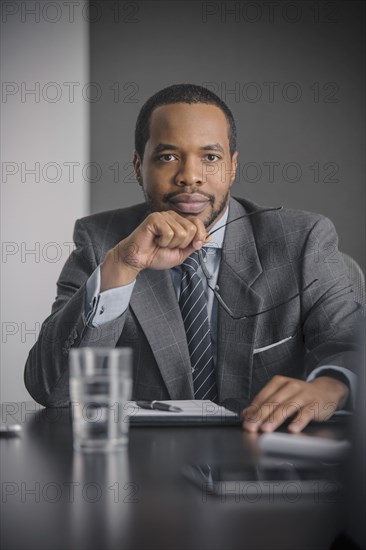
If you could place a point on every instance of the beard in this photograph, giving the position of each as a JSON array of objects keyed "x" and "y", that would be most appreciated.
[{"x": 215, "y": 213}]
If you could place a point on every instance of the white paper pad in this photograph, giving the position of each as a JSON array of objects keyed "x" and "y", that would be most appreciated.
[{"x": 194, "y": 412}]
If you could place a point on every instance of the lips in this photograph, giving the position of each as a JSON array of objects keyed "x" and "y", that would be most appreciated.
[{"x": 189, "y": 204}]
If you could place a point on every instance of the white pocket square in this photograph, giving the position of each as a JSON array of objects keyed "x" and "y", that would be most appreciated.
[{"x": 259, "y": 350}]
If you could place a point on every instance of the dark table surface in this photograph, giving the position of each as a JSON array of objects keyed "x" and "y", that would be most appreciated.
[{"x": 56, "y": 498}]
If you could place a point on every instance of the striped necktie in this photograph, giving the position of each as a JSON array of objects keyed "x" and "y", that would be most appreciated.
[{"x": 193, "y": 306}]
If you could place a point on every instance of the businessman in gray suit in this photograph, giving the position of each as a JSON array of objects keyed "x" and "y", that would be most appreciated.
[{"x": 278, "y": 304}]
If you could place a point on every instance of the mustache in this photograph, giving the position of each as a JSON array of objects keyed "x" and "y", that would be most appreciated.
[{"x": 168, "y": 196}]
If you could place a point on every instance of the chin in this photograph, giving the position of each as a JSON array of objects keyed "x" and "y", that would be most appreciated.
[{"x": 211, "y": 219}]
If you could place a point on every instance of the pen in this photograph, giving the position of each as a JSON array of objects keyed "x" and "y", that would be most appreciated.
[{"x": 157, "y": 405}]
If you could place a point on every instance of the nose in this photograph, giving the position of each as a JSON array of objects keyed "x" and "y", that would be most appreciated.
[{"x": 189, "y": 173}]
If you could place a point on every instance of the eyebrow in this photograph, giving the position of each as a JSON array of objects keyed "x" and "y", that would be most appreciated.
[
  {"x": 213, "y": 147},
  {"x": 169, "y": 147}
]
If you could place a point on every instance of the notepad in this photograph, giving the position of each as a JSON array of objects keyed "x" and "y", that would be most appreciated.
[{"x": 194, "y": 413}]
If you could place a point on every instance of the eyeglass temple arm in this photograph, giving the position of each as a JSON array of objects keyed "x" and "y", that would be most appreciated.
[
  {"x": 247, "y": 216},
  {"x": 216, "y": 291},
  {"x": 221, "y": 301}
]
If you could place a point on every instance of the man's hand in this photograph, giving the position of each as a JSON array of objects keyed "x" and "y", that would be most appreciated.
[
  {"x": 163, "y": 240},
  {"x": 284, "y": 397}
]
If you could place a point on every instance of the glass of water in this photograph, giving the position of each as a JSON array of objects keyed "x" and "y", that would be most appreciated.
[{"x": 100, "y": 388}]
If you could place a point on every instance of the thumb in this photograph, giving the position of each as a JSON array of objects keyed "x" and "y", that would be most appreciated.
[{"x": 193, "y": 247}]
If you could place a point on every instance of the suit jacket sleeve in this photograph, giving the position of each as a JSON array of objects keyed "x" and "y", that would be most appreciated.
[
  {"x": 330, "y": 314},
  {"x": 46, "y": 371}
]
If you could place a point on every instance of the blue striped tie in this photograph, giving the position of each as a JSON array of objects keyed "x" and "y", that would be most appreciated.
[{"x": 193, "y": 306}]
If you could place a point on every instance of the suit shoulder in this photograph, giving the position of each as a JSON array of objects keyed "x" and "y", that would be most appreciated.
[
  {"x": 107, "y": 228},
  {"x": 304, "y": 217},
  {"x": 285, "y": 220},
  {"x": 118, "y": 223}
]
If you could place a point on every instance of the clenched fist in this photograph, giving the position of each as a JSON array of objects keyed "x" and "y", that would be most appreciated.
[{"x": 162, "y": 241}]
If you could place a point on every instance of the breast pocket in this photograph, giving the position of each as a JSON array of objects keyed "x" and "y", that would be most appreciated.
[
  {"x": 272, "y": 346},
  {"x": 283, "y": 356}
]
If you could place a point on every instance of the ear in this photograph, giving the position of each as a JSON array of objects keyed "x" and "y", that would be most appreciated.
[
  {"x": 137, "y": 164},
  {"x": 234, "y": 164}
]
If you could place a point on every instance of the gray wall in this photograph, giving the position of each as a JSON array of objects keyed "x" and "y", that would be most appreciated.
[
  {"x": 41, "y": 131},
  {"x": 297, "y": 71}
]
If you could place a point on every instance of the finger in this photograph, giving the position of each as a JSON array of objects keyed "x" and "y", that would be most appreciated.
[
  {"x": 185, "y": 231},
  {"x": 168, "y": 232},
  {"x": 301, "y": 422},
  {"x": 269, "y": 413},
  {"x": 179, "y": 236},
  {"x": 200, "y": 237},
  {"x": 164, "y": 233},
  {"x": 309, "y": 413},
  {"x": 285, "y": 410},
  {"x": 185, "y": 252},
  {"x": 273, "y": 413},
  {"x": 273, "y": 386},
  {"x": 264, "y": 395},
  {"x": 201, "y": 232}
]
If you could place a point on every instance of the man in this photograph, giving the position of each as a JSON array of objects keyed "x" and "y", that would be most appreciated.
[{"x": 276, "y": 315}]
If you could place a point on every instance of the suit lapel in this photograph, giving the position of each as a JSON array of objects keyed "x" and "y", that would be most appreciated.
[
  {"x": 155, "y": 305},
  {"x": 240, "y": 267}
]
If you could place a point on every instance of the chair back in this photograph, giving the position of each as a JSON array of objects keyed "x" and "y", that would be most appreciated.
[{"x": 357, "y": 279}]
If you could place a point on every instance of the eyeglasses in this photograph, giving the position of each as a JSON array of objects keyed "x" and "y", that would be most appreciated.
[{"x": 216, "y": 289}]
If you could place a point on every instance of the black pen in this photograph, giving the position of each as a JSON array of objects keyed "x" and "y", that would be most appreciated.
[{"x": 157, "y": 405}]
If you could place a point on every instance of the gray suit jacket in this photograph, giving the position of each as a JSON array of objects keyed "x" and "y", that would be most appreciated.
[{"x": 266, "y": 258}]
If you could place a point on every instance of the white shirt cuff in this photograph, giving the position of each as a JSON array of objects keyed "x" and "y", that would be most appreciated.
[
  {"x": 103, "y": 307},
  {"x": 351, "y": 377}
]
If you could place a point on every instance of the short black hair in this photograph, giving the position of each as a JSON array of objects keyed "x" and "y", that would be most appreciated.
[{"x": 180, "y": 93}]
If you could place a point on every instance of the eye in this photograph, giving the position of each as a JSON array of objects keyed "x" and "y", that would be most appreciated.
[
  {"x": 168, "y": 157},
  {"x": 212, "y": 158}
]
